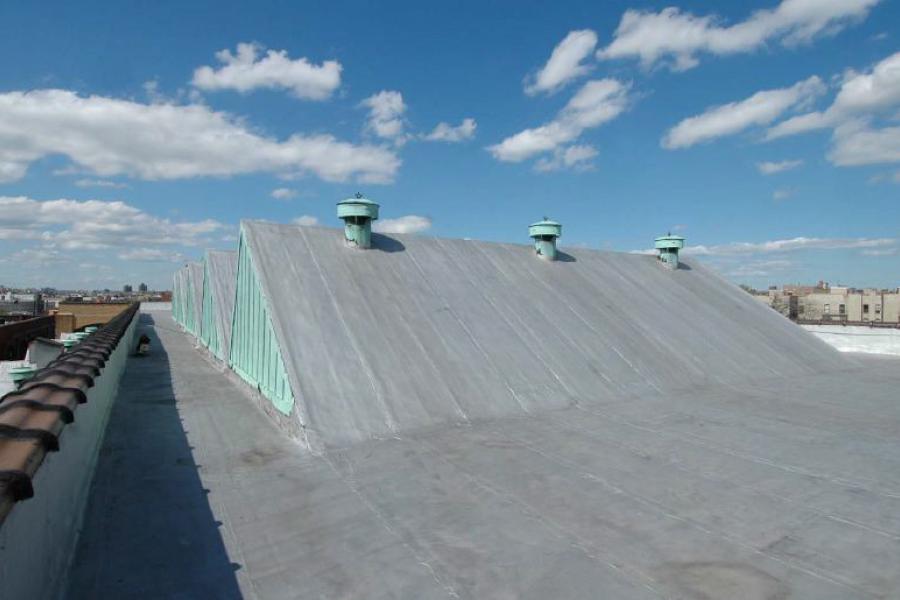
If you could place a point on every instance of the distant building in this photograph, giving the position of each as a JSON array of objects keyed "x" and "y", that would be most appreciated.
[
  {"x": 21, "y": 304},
  {"x": 837, "y": 304},
  {"x": 142, "y": 287},
  {"x": 127, "y": 289}
]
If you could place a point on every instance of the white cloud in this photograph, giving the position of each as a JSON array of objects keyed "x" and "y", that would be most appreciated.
[
  {"x": 386, "y": 110},
  {"x": 597, "y": 102},
  {"x": 759, "y": 109},
  {"x": 782, "y": 194},
  {"x": 573, "y": 157},
  {"x": 565, "y": 63},
  {"x": 101, "y": 183},
  {"x": 773, "y": 167},
  {"x": 246, "y": 71},
  {"x": 96, "y": 224},
  {"x": 167, "y": 141},
  {"x": 880, "y": 252},
  {"x": 444, "y": 132},
  {"x": 306, "y": 220},
  {"x": 677, "y": 38},
  {"x": 758, "y": 268},
  {"x": 856, "y": 143},
  {"x": 405, "y": 224},
  {"x": 790, "y": 245},
  {"x": 152, "y": 255},
  {"x": 283, "y": 193},
  {"x": 860, "y": 94}
]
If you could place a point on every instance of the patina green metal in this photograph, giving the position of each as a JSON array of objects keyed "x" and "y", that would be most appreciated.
[
  {"x": 209, "y": 334},
  {"x": 18, "y": 375},
  {"x": 668, "y": 246},
  {"x": 188, "y": 306},
  {"x": 255, "y": 354},
  {"x": 176, "y": 298},
  {"x": 545, "y": 233},
  {"x": 70, "y": 342},
  {"x": 91, "y": 329},
  {"x": 358, "y": 214}
]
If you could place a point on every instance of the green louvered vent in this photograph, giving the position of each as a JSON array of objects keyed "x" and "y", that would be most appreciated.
[
  {"x": 209, "y": 334},
  {"x": 176, "y": 299},
  {"x": 255, "y": 354},
  {"x": 189, "y": 307}
]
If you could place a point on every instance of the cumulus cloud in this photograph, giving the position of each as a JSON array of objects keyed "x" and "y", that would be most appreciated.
[
  {"x": 167, "y": 141},
  {"x": 597, "y": 102},
  {"x": 759, "y": 109},
  {"x": 386, "y": 110},
  {"x": 283, "y": 193},
  {"x": 576, "y": 157},
  {"x": 444, "y": 132},
  {"x": 565, "y": 63},
  {"x": 306, "y": 220},
  {"x": 860, "y": 94},
  {"x": 405, "y": 224},
  {"x": 862, "y": 99},
  {"x": 96, "y": 224},
  {"x": 782, "y": 194},
  {"x": 246, "y": 71},
  {"x": 773, "y": 167},
  {"x": 676, "y": 38}
]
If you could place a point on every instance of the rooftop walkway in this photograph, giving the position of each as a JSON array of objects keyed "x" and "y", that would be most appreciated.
[{"x": 786, "y": 488}]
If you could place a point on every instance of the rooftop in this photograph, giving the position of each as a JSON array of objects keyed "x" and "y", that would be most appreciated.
[{"x": 775, "y": 488}]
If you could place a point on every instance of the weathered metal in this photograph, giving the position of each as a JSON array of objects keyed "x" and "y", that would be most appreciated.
[
  {"x": 358, "y": 213},
  {"x": 668, "y": 246},
  {"x": 545, "y": 233}
]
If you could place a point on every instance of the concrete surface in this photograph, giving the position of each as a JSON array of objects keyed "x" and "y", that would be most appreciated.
[
  {"x": 854, "y": 338},
  {"x": 422, "y": 331},
  {"x": 776, "y": 488}
]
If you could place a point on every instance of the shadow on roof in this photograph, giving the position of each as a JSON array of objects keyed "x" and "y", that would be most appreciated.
[
  {"x": 386, "y": 244},
  {"x": 147, "y": 505}
]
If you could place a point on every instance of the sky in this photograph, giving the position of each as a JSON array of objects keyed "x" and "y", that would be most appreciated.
[{"x": 134, "y": 135}]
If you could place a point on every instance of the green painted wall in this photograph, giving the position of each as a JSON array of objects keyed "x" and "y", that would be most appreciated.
[
  {"x": 255, "y": 354},
  {"x": 209, "y": 333},
  {"x": 189, "y": 307},
  {"x": 176, "y": 299}
]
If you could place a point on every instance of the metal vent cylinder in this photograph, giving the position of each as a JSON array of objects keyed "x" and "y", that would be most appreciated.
[
  {"x": 668, "y": 246},
  {"x": 545, "y": 233},
  {"x": 357, "y": 214}
]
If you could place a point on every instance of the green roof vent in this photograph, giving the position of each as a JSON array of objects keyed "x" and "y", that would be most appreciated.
[
  {"x": 20, "y": 375},
  {"x": 544, "y": 233},
  {"x": 358, "y": 214},
  {"x": 668, "y": 246}
]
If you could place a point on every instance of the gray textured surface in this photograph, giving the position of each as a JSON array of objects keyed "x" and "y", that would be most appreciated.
[
  {"x": 772, "y": 488},
  {"x": 421, "y": 331},
  {"x": 222, "y": 267}
]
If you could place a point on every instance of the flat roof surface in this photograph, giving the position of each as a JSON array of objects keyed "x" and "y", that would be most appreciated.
[{"x": 772, "y": 489}]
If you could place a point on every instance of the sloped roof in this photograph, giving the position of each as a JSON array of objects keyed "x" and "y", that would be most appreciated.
[
  {"x": 419, "y": 331},
  {"x": 222, "y": 270}
]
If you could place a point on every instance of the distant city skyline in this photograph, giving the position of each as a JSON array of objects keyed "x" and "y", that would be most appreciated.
[{"x": 132, "y": 140}]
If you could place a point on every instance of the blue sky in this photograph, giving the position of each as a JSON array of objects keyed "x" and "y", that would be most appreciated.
[{"x": 134, "y": 137}]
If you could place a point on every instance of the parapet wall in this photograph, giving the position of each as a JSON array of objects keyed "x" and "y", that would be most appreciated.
[{"x": 43, "y": 492}]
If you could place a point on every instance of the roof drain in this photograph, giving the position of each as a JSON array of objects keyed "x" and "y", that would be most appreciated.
[
  {"x": 544, "y": 233},
  {"x": 668, "y": 246},
  {"x": 358, "y": 214}
]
